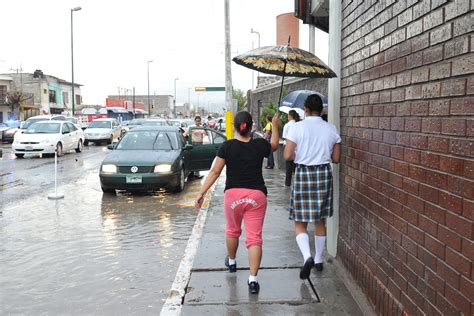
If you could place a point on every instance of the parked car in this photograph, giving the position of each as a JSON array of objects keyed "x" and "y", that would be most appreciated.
[
  {"x": 153, "y": 157},
  {"x": 8, "y": 130},
  {"x": 80, "y": 121},
  {"x": 39, "y": 118},
  {"x": 47, "y": 136},
  {"x": 135, "y": 122},
  {"x": 155, "y": 122},
  {"x": 103, "y": 130}
]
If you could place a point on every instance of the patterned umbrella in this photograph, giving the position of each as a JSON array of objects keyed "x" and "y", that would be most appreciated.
[{"x": 284, "y": 60}]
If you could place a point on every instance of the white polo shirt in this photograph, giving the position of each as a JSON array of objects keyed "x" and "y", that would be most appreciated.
[
  {"x": 314, "y": 139},
  {"x": 286, "y": 128}
]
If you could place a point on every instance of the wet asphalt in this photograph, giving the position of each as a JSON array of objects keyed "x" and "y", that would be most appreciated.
[{"x": 88, "y": 253}]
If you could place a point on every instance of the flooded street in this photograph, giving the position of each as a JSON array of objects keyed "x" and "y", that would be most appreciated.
[{"x": 88, "y": 253}]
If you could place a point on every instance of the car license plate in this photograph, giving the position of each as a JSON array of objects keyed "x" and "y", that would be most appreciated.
[
  {"x": 134, "y": 179},
  {"x": 29, "y": 148}
]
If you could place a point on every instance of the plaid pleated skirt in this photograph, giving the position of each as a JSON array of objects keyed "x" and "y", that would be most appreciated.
[{"x": 311, "y": 193}]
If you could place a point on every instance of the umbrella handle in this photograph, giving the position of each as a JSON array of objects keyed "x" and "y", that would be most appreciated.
[
  {"x": 284, "y": 70},
  {"x": 281, "y": 87}
]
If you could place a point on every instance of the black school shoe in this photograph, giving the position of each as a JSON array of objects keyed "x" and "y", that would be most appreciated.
[
  {"x": 254, "y": 287},
  {"x": 306, "y": 270},
  {"x": 232, "y": 267},
  {"x": 318, "y": 266}
]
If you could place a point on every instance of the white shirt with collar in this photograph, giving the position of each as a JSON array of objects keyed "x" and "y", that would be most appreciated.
[
  {"x": 286, "y": 128},
  {"x": 314, "y": 139}
]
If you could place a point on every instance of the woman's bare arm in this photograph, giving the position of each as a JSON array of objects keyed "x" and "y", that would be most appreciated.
[{"x": 214, "y": 173}]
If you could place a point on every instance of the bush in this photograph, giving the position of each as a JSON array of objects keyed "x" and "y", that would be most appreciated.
[{"x": 271, "y": 109}]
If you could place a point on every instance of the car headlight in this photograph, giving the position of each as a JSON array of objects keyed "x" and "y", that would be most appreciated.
[
  {"x": 163, "y": 168},
  {"x": 109, "y": 168},
  {"x": 10, "y": 132}
]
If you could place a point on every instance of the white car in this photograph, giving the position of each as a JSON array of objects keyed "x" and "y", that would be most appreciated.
[
  {"x": 103, "y": 130},
  {"x": 39, "y": 118},
  {"x": 47, "y": 136}
]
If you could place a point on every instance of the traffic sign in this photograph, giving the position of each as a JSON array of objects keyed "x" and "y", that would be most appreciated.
[{"x": 209, "y": 89}]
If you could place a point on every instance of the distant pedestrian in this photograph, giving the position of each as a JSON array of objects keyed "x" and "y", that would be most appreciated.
[
  {"x": 245, "y": 196},
  {"x": 197, "y": 138},
  {"x": 293, "y": 117},
  {"x": 313, "y": 144},
  {"x": 268, "y": 136}
]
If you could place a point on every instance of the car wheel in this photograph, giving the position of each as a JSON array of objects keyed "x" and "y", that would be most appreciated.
[
  {"x": 86, "y": 143},
  {"x": 107, "y": 190},
  {"x": 79, "y": 146},
  {"x": 20, "y": 155},
  {"x": 59, "y": 149},
  {"x": 110, "y": 140},
  {"x": 180, "y": 182}
]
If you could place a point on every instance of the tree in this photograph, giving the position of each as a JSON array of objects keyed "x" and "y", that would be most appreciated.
[
  {"x": 241, "y": 98},
  {"x": 269, "y": 110},
  {"x": 15, "y": 100}
]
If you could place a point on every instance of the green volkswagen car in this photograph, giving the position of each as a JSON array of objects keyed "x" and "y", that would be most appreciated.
[{"x": 148, "y": 158}]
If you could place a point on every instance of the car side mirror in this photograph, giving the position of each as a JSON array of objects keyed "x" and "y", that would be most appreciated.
[
  {"x": 65, "y": 132},
  {"x": 220, "y": 121},
  {"x": 111, "y": 146},
  {"x": 188, "y": 147}
]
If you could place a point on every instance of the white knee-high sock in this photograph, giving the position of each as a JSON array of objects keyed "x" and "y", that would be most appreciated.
[
  {"x": 319, "y": 242},
  {"x": 303, "y": 243}
]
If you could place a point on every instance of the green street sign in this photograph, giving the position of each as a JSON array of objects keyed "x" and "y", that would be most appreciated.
[{"x": 209, "y": 89}]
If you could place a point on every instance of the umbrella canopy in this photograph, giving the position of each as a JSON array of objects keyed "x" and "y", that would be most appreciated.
[
  {"x": 296, "y": 99},
  {"x": 287, "y": 109},
  {"x": 284, "y": 60}
]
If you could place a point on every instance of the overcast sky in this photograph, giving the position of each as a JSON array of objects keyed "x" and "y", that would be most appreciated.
[{"x": 113, "y": 39}]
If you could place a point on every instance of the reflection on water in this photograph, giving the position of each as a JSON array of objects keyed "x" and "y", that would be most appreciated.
[{"x": 92, "y": 253}]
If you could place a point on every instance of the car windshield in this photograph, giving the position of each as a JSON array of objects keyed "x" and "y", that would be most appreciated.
[
  {"x": 50, "y": 128},
  {"x": 144, "y": 140},
  {"x": 136, "y": 122},
  {"x": 31, "y": 121},
  {"x": 71, "y": 119},
  {"x": 155, "y": 123},
  {"x": 99, "y": 124}
]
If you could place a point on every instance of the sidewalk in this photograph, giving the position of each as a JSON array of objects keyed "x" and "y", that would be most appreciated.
[{"x": 214, "y": 291}]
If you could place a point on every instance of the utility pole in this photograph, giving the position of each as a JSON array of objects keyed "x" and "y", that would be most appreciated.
[
  {"x": 228, "y": 73},
  {"x": 133, "y": 102},
  {"x": 148, "y": 80},
  {"x": 72, "y": 59}
]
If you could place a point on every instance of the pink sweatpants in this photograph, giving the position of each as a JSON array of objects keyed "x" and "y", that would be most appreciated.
[{"x": 249, "y": 205}]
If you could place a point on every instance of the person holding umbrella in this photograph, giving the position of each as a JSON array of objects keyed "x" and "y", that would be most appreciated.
[
  {"x": 245, "y": 196},
  {"x": 313, "y": 144},
  {"x": 293, "y": 117}
]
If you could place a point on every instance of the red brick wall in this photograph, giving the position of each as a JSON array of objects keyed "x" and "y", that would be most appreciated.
[{"x": 407, "y": 176}]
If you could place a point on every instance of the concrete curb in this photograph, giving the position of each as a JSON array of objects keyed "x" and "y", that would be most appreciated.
[{"x": 174, "y": 302}]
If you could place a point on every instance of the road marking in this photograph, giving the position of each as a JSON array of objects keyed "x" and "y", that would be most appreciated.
[{"x": 173, "y": 303}]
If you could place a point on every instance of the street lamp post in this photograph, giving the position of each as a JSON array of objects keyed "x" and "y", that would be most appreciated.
[
  {"x": 148, "y": 80},
  {"x": 72, "y": 60},
  {"x": 174, "y": 109},
  {"x": 253, "y": 31}
]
